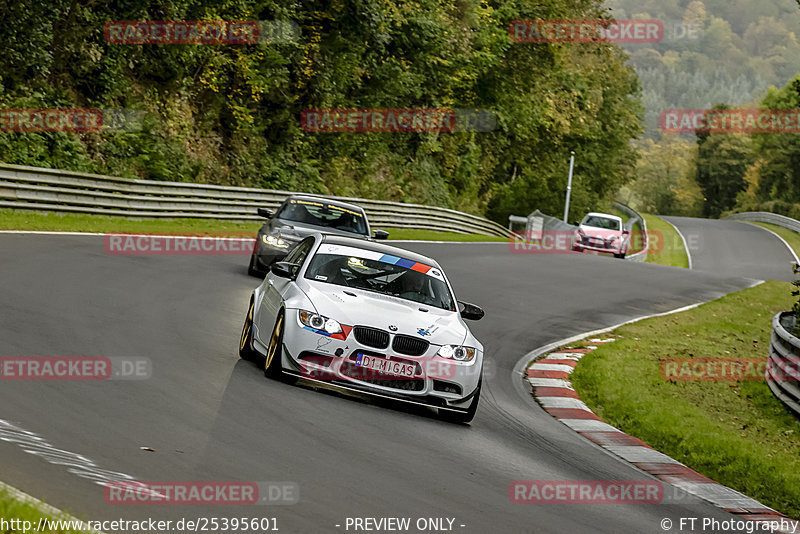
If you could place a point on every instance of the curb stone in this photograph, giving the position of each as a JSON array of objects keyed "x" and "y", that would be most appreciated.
[{"x": 548, "y": 377}]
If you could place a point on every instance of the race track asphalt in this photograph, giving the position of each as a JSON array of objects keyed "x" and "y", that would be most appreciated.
[
  {"x": 734, "y": 248},
  {"x": 210, "y": 416}
]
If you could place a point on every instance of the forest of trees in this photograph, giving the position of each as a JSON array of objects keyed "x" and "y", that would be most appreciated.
[
  {"x": 716, "y": 54},
  {"x": 713, "y": 51},
  {"x": 230, "y": 114}
]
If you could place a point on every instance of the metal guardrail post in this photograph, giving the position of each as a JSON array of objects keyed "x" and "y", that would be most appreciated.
[
  {"x": 783, "y": 365},
  {"x": 55, "y": 190},
  {"x": 767, "y": 217},
  {"x": 634, "y": 216}
]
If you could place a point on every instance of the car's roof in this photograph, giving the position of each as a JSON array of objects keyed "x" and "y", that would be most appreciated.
[
  {"x": 378, "y": 247},
  {"x": 606, "y": 215},
  {"x": 312, "y": 198}
]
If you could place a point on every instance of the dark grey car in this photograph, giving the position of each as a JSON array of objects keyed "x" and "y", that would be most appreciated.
[{"x": 300, "y": 216}]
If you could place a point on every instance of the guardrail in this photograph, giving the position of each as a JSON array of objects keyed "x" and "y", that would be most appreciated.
[
  {"x": 633, "y": 217},
  {"x": 767, "y": 217},
  {"x": 783, "y": 364},
  {"x": 55, "y": 190},
  {"x": 537, "y": 222}
]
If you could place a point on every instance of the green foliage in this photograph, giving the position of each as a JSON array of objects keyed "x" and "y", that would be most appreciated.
[
  {"x": 713, "y": 51},
  {"x": 779, "y": 176},
  {"x": 722, "y": 161},
  {"x": 229, "y": 114},
  {"x": 665, "y": 181},
  {"x": 773, "y": 179}
]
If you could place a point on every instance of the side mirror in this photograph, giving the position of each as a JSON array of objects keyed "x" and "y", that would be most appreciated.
[
  {"x": 283, "y": 269},
  {"x": 471, "y": 312},
  {"x": 626, "y": 232},
  {"x": 266, "y": 213},
  {"x": 381, "y": 234},
  {"x": 576, "y": 223}
]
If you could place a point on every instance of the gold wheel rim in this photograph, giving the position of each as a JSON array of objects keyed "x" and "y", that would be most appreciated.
[
  {"x": 248, "y": 327},
  {"x": 273, "y": 342}
]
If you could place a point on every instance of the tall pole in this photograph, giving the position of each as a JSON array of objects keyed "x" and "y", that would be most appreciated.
[{"x": 569, "y": 184}]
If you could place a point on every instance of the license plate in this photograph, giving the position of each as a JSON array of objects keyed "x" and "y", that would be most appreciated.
[{"x": 384, "y": 366}]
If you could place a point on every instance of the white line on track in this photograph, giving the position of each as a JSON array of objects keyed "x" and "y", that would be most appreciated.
[
  {"x": 685, "y": 245},
  {"x": 522, "y": 364},
  {"x": 791, "y": 250}
]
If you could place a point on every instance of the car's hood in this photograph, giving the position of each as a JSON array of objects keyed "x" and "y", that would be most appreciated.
[
  {"x": 352, "y": 307},
  {"x": 599, "y": 232}
]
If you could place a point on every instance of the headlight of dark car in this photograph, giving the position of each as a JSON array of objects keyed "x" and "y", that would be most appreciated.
[{"x": 274, "y": 241}]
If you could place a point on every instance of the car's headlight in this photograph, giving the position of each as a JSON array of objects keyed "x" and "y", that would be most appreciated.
[
  {"x": 458, "y": 353},
  {"x": 320, "y": 322},
  {"x": 274, "y": 241}
]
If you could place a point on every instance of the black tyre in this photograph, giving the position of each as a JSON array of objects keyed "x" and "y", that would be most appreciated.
[
  {"x": 246, "y": 351},
  {"x": 620, "y": 256},
  {"x": 251, "y": 268},
  {"x": 463, "y": 417},
  {"x": 272, "y": 363}
]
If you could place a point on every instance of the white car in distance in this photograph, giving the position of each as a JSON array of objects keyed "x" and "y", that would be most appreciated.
[{"x": 601, "y": 232}]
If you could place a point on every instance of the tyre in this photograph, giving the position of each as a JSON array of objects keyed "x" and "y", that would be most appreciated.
[
  {"x": 463, "y": 417},
  {"x": 251, "y": 268},
  {"x": 246, "y": 351},
  {"x": 272, "y": 362},
  {"x": 620, "y": 256}
]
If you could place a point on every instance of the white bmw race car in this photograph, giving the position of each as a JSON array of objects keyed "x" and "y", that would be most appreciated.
[{"x": 368, "y": 317}]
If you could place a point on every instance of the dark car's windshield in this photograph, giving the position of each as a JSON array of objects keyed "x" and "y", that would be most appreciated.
[
  {"x": 601, "y": 222},
  {"x": 380, "y": 273},
  {"x": 321, "y": 213}
]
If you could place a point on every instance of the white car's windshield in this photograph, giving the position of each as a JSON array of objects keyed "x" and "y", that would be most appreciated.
[
  {"x": 601, "y": 222},
  {"x": 380, "y": 273}
]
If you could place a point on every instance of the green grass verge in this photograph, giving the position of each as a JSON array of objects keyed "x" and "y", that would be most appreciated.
[
  {"x": 736, "y": 433},
  {"x": 670, "y": 251},
  {"x": 13, "y": 509},
  {"x": 78, "y": 222},
  {"x": 793, "y": 238}
]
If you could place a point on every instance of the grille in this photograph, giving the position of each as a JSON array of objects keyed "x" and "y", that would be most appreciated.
[
  {"x": 410, "y": 346},
  {"x": 371, "y": 337}
]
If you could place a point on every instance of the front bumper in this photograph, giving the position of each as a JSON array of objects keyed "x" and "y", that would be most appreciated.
[
  {"x": 264, "y": 256},
  {"x": 437, "y": 381},
  {"x": 587, "y": 243}
]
